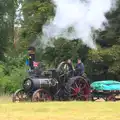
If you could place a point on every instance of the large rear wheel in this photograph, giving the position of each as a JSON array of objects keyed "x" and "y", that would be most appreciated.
[{"x": 80, "y": 89}]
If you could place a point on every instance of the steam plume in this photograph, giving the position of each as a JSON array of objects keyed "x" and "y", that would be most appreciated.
[{"x": 75, "y": 18}]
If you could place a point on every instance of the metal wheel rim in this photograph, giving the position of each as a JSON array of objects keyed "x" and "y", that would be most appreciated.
[
  {"x": 41, "y": 95},
  {"x": 79, "y": 89},
  {"x": 19, "y": 96}
]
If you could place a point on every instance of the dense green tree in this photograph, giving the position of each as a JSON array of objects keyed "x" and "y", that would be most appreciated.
[
  {"x": 64, "y": 49},
  {"x": 106, "y": 60},
  {"x": 36, "y": 13},
  {"x": 7, "y": 16}
]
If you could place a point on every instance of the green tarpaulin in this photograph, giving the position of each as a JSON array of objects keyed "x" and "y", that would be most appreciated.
[{"x": 106, "y": 85}]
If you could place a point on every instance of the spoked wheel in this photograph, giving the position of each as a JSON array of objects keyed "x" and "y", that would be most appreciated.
[
  {"x": 110, "y": 98},
  {"x": 64, "y": 71},
  {"x": 63, "y": 68},
  {"x": 41, "y": 95},
  {"x": 20, "y": 96},
  {"x": 80, "y": 89}
]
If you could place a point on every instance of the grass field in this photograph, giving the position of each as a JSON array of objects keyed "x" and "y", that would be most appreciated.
[{"x": 59, "y": 110}]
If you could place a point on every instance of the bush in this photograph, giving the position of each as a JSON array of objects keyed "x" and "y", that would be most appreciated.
[
  {"x": 12, "y": 73},
  {"x": 9, "y": 83}
]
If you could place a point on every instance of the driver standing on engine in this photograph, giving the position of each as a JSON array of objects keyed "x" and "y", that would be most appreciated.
[
  {"x": 79, "y": 69},
  {"x": 71, "y": 70}
]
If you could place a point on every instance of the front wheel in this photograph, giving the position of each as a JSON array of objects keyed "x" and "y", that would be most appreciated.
[
  {"x": 20, "y": 96},
  {"x": 41, "y": 95}
]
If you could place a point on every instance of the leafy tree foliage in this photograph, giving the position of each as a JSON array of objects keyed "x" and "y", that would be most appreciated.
[
  {"x": 7, "y": 13},
  {"x": 36, "y": 13},
  {"x": 107, "y": 57}
]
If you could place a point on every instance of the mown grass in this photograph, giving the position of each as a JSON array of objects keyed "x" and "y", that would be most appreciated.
[
  {"x": 59, "y": 110},
  {"x": 5, "y": 98}
]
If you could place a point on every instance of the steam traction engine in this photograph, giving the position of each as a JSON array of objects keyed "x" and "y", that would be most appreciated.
[{"x": 53, "y": 85}]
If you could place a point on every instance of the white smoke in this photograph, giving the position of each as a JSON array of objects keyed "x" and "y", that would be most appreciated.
[{"x": 81, "y": 15}]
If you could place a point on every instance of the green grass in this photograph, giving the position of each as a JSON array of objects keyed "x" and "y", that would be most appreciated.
[{"x": 59, "y": 110}]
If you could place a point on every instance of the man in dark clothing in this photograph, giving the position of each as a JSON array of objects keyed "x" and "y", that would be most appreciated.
[
  {"x": 71, "y": 70},
  {"x": 79, "y": 69},
  {"x": 31, "y": 52}
]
